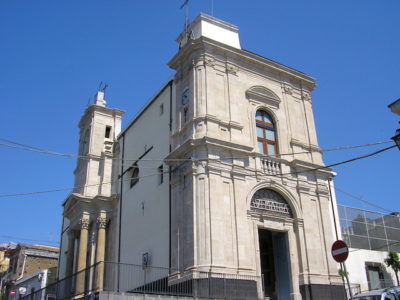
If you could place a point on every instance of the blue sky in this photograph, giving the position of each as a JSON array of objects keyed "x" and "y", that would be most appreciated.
[{"x": 54, "y": 54}]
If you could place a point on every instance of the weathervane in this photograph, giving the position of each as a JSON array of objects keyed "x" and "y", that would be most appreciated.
[
  {"x": 186, "y": 4},
  {"x": 103, "y": 86}
]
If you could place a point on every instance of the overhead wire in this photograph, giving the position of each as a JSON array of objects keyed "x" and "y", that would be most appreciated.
[
  {"x": 25, "y": 147},
  {"x": 167, "y": 172},
  {"x": 362, "y": 200},
  {"x": 26, "y": 239}
]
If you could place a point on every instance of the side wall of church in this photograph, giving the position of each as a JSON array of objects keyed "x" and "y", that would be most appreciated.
[{"x": 144, "y": 190}]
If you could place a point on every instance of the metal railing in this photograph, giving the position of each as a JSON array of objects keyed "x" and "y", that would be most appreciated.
[
  {"x": 380, "y": 284},
  {"x": 127, "y": 278}
]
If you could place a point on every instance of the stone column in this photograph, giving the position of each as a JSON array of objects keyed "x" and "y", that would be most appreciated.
[
  {"x": 100, "y": 251},
  {"x": 69, "y": 264},
  {"x": 83, "y": 241},
  {"x": 70, "y": 254}
]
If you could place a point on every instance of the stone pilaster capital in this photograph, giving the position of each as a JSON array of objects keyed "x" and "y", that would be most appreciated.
[
  {"x": 84, "y": 222},
  {"x": 287, "y": 89},
  {"x": 305, "y": 95},
  {"x": 101, "y": 222}
]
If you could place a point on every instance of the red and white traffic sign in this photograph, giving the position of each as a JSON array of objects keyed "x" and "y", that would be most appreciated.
[
  {"x": 340, "y": 251},
  {"x": 12, "y": 293}
]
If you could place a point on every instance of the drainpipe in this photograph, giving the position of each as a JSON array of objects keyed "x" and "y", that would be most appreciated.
[
  {"x": 120, "y": 206},
  {"x": 334, "y": 206},
  {"x": 23, "y": 269},
  {"x": 169, "y": 178}
]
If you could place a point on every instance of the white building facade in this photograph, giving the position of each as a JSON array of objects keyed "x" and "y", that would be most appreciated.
[{"x": 219, "y": 173}]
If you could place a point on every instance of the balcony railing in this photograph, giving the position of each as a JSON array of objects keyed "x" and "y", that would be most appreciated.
[{"x": 127, "y": 278}]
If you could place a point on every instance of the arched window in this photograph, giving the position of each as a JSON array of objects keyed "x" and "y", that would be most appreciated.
[
  {"x": 271, "y": 201},
  {"x": 266, "y": 135}
]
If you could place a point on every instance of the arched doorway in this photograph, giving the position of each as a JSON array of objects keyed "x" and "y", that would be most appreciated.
[{"x": 273, "y": 243}]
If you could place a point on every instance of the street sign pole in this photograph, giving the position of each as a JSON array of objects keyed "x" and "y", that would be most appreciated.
[
  {"x": 347, "y": 280},
  {"x": 340, "y": 252}
]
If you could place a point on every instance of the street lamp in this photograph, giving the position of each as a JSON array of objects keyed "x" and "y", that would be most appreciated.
[{"x": 395, "y": 108}]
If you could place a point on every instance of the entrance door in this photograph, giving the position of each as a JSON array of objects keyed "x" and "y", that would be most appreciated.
[{"x": 274, "y": 264}]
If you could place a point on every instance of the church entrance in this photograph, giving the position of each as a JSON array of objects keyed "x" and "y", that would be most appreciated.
[{"x": 274, "y": 264}]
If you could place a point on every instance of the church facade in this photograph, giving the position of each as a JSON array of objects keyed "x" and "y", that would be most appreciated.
[{"x": 219, "y": 173}]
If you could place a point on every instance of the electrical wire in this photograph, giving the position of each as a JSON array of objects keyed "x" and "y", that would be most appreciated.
[
  {"x": 39, "y": 150},
  {"x": 26, "y": 239},
  {"x": 78, "y": 187},
  {"x": 362, "y": 200},
  {"x": 167, "y": 172}
]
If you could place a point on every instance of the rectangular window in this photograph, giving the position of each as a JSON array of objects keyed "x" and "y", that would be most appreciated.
[
  {"x": 108, "y": 132},
  {"x": 260, "y": 132},
  {"x": 260, "y": 147},
  {"x": 161, "y": 109},
  {"x": 160, "y": 175},
  {"x": 270, "y": 135},
  {"x": 271, "y": 149}
]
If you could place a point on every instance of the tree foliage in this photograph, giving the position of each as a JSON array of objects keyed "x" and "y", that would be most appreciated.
[{"x": 393, "y": 261}]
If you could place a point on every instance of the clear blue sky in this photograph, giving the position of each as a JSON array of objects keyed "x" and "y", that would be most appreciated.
[{"x": 54, "y": 54}]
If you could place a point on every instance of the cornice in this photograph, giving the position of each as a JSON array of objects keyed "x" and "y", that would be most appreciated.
[
  {"x": 101, "y": 109},
  {"x": 307, "y": 166},
  {"x": 313, "y": 148},
  {"x": 202, "y": 42}
]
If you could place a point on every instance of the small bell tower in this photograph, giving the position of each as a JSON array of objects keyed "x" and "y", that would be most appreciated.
[{"x": 99, "y": 128}]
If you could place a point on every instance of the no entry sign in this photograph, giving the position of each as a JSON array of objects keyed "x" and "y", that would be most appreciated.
[{"x": 340, "y": 251}]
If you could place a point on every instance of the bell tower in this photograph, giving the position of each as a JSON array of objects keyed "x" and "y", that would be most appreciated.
[
  {"x": 99, "y": 128},
  {"x": 90, "y": 210}
]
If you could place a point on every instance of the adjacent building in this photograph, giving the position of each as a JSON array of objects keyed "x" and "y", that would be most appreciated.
[
  {"x": 218, "y": 183},
  {"x": 28, "y": 261},
  {"x": 370, "y": 236}
]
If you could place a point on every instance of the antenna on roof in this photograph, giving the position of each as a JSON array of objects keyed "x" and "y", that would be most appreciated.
[
  {"x": 212, "y": 8},
  {"x": 186, "y": 5}
]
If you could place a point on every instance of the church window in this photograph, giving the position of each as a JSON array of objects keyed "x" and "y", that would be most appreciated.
[
  {"x": 266, "y": 137},
  {"x": 134, "y": 175},
  {"x": 270, "y": 201},
  {"x": 108, "y": 132}
]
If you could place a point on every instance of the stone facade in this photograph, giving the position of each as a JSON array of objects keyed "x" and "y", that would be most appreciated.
[
  {"x": 220, "y": 172},
  {"x": 215, "y": 219},
  {"x": 91, "y": 207}
]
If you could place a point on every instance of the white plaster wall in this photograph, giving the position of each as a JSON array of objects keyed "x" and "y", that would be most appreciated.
[
  {"x": 355, "y": 265},
  {"x": 145, "y": 206}
]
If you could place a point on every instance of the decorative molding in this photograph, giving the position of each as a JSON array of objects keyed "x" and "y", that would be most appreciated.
[
  {"x": 209, "y": 62},
  {"x": 84, "y": 223},
  {"x": 263, "y": 95},
  {"x": 287, "y": 89},
  {"x": 101, "y": 222},
  {"x": 305, "y": 95},
  {"x": 232, "y": 69}
]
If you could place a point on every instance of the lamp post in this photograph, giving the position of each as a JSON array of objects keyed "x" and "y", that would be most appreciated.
[{"x": 395, "y": 108}]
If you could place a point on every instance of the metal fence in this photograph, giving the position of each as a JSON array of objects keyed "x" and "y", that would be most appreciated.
[
  {"x": 369, "y": 230},
  {"x": 127, "y": 278}
]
